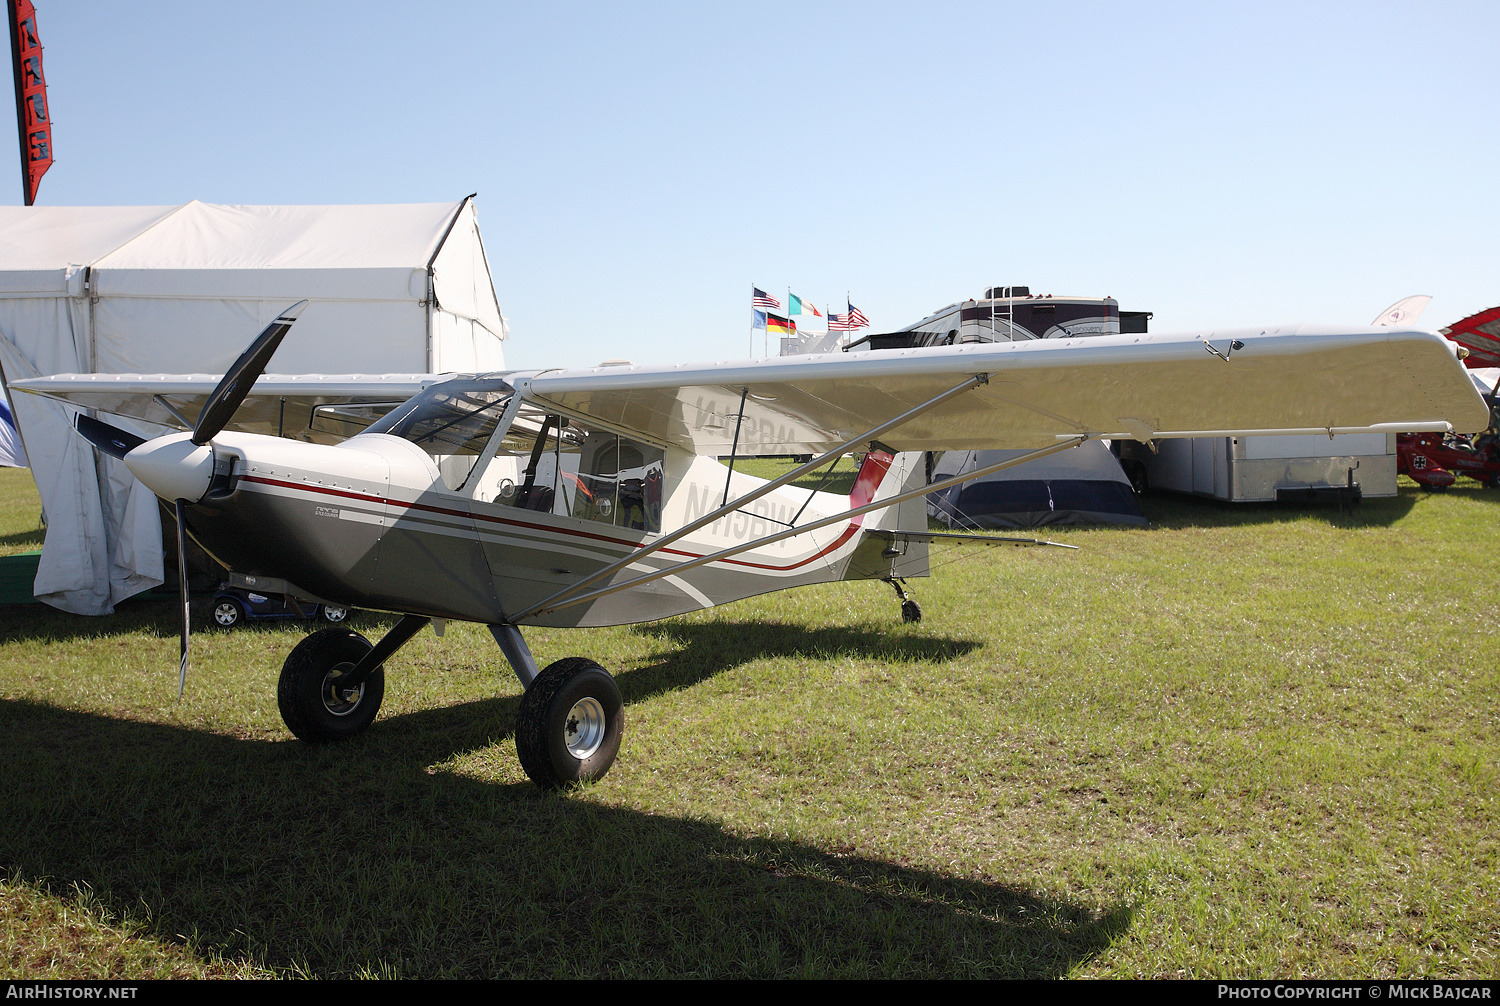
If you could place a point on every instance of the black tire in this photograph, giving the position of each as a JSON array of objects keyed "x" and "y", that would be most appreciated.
[
  {"x": 1493, "y": 482},
  {"x": 228, "y": 612},
  {"x": 333, "y": 614},
  {"x": 312, "y": 705},
  {"x": 569, "y": 726},
  {"x": 911, "y": 611}
]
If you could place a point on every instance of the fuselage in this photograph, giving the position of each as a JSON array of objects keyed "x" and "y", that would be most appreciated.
[{"x": 373, "y": 523}]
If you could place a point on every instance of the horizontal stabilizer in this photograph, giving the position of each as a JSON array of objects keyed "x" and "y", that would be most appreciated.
[{"x": 983, "y": 539}]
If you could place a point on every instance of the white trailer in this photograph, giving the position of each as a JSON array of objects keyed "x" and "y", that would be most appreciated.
[{"x": 1346, "y": 466}]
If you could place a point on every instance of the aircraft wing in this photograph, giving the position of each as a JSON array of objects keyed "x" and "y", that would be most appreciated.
[
  {"x": 1298, "y": 379},
  {"x": 322, "y": 408},
  {"x": 1479, "y": 333}
]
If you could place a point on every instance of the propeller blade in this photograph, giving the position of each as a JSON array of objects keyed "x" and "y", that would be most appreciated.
[
  {"x": 241, "y": 377},
  {"x": 182, "y": 590},
  {"x": 108, "y": 439}
]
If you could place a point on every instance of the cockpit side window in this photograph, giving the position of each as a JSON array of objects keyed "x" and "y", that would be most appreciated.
[
  {"x": 619, "y": 482},
  {"x": 452, "y": 422},
  {"x": 550, "y": 463}
]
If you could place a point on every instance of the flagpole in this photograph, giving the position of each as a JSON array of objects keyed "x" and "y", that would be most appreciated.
[{"x": 788, "y": 314}]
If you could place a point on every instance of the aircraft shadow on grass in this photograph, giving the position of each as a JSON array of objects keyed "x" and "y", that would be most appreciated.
[
  {"x": 369, "y": 856},
  {"x": 697, "y": 651}
]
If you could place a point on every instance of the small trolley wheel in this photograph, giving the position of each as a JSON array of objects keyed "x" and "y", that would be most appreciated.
[
  {"x": 313, "y": 705},
  {"x": 570, "y": 722},
  {"x": 228, "y": 613},
  {"x": 911, "y": 611},
  {"x": 332, "y": 613}
]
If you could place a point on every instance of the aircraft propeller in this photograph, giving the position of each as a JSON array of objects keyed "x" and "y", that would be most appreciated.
[
  {"x": 240, "y": 378},
  {"x": 181, "y": 468}
]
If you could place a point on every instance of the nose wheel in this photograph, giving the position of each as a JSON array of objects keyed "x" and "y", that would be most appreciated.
[{"x": 569, "y": 726}]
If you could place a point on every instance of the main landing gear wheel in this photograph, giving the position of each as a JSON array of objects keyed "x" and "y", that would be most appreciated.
[
  {"x": 313, "y": 705},
  {"x": 569, "y": 726},
  {"x": 228, "y": 614},
  {"x": 332, "y": 613}
]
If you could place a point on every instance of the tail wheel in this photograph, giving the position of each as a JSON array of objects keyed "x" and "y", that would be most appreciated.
[
  {"x": 570, "y": 723},
  {"x": 313, "y": 704}
]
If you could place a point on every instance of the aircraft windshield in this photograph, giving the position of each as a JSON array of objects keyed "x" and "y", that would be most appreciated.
[{"x": 452, "y": 422}]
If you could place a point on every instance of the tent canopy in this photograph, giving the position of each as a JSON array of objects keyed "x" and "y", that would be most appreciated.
[
  {"x": 1084, "y": 485},
  {"x": 174, "y": 289}
]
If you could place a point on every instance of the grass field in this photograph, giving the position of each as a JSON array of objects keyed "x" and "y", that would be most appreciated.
[{"x": 1254, "y": 741}]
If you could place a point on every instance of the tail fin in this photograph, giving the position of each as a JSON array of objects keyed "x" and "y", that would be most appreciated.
[
  {"x": 1403, "y": 312},
  {"x": 884, "y": 474},
  {"x": 872, "y": 472},
  {"x": 882, "y": 554}
]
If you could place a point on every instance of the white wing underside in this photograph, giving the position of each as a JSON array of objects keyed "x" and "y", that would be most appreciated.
[
  {"x": 1304, "y": 378},
  {"x": 322, "y": 408},
  {"x": 1142, "y": 386}
]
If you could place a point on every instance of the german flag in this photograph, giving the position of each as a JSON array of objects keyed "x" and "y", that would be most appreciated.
[{"x": 780, "y": 326}]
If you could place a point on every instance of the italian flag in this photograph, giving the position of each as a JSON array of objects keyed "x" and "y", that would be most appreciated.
[{"x": 797, "y": 305}]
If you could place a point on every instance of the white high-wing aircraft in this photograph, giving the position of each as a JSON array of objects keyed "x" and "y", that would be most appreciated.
[{"x": 597, "y": 497}]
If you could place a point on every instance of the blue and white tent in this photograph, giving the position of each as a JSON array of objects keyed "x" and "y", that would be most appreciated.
[
  {"x": 12, "y": 454},
  {"x": 1084, "y": 485}
]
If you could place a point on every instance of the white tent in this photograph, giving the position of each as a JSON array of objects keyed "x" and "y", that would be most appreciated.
[
  {"x": 1084, "y": 485},
  {"x": 183, "y": 289}
]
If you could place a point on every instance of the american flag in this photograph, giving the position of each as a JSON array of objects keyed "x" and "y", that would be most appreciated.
[
  {"x": 857, "y": 318},
  {"x": 840, "y": 322},
  {"x": 759, "y": 298}
]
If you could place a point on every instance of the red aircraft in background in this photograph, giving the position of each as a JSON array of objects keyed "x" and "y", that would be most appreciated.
[{"x": 1434, "y": 460}]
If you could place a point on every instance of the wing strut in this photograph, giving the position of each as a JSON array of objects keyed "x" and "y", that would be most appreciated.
[
  {"x": 547, "y": 607},
  {"x": 734, "y": 448},
  {"x": 549, "y": 603}
]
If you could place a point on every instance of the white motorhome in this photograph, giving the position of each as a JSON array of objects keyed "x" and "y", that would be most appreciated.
[{"x": 1011, "y": 314}]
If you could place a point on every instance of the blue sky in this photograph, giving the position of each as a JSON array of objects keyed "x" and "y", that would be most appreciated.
[{"x": 640, "y": 165}]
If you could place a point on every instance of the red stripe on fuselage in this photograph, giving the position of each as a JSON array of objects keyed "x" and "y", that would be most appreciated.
[{"x": 365, "y": 498}]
